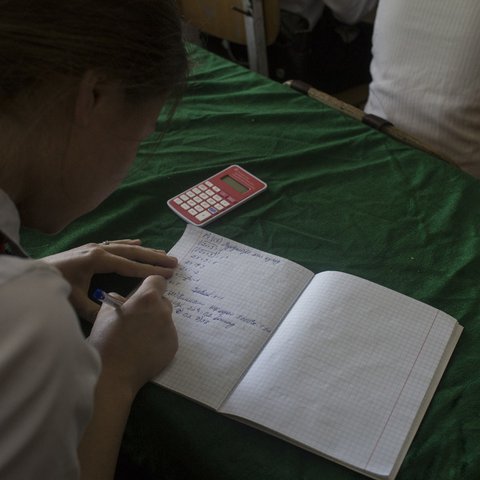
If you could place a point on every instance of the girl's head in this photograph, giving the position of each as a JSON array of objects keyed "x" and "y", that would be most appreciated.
[
  {"x": 81, "y": 84},
  {"x": 135, "y": 42}
]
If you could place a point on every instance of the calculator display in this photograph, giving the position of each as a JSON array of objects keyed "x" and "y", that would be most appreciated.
[{"x": 234, "y": 184}]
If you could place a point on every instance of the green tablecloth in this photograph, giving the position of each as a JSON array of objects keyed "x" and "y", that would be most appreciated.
[{"x": 342, "y": 197}]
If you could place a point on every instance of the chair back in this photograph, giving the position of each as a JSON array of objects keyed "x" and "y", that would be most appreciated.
[{"x": 223, "y": 18}]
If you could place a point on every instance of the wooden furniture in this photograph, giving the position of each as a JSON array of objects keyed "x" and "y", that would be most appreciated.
[
  {"x": 372, "y": 120},
  {"x": 254, "y": 23}
]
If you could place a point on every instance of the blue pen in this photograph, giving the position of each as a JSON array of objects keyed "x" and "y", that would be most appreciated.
[{"x": 104, "y": 297}]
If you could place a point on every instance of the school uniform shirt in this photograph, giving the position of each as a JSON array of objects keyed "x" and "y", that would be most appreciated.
[
  {"x": 346, "y": 11},
  {"x": 426, "y": 74},
  {"x": 47, "y": 370}
]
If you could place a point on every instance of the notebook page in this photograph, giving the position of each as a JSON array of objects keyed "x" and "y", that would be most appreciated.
[
  {"x": 227, "y": 300},
  {"x": 347, "y": 372}
]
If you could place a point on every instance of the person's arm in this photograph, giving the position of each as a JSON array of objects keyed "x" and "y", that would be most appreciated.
[
  {"x": 100, "y": 444},
  {"x": 135, "y": 342}
]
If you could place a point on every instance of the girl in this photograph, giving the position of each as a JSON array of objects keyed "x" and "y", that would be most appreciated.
[{"x": 81, "y": 84}]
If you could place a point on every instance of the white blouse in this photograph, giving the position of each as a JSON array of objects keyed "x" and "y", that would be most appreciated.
[
  {"x": 347, "y": 11},
  {"x": 426, "y": 74},
  {"x": 47, "y": 370}
]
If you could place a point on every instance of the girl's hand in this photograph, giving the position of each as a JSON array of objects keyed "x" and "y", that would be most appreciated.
[
  {"x": 137, "y": 340},
  {"x": 123, "y": 257}
]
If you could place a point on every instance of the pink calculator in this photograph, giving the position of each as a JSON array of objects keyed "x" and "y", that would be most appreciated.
[{"x": 217, "y": 195}]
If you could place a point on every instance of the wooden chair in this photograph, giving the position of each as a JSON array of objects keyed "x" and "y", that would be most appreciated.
[{"x": 254, "y": 23}]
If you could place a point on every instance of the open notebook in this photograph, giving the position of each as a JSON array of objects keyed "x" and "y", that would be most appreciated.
[{"x": 331, "y": 362}]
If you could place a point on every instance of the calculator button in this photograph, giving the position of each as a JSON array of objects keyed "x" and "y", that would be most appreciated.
[
  {"x": 178, "y": 201},
  {"x": 224, "y": 203},
  {"x": 231, "y": 199},
  {"x": 223, "y": 194},
  {"x": 191, "y": 203},
  {"x": 208, "y": 184},
  {"x": 204, "y": 196},
  {"x": 196, "y": 190},
  {"x": 212, "y": 210},
  {"x": 205, "y": 204},
  {"x": 211, "y": 201},
  {"x": 184, "y": 197},
  {"x": 210, "y": 192},
  {"x": 193, "y": 212},
  {"x": 197, "y": 199},
  {"x": 215, "y": 188},
  {"x": 203, "y": 216},
  {"x": 219, "y": 207},
  {"x": 184, "y": 206},
  {"x": 217, "y": 198},
  {"x": 190, "y": 194},
  {"x": 202, "y": 187},
  {"x": 198, "y": 208}
]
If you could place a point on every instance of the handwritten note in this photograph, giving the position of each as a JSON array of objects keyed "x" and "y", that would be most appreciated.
[
  {"x": 227, "y": 300},
  {"x": 207, "y": 260}
]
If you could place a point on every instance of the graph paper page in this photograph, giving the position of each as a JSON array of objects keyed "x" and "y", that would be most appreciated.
[
  {"x": 347, "y": 372},
  {"x": 227, "y": 300}
]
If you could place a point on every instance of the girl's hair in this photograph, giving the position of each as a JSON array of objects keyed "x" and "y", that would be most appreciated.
[{"x": 136, "y": 42}]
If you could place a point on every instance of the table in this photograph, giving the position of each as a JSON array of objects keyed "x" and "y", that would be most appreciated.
[{"x": 341, "y": 196}]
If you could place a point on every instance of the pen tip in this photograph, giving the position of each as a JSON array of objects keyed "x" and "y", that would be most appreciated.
[{"x": 98, "y": 294}]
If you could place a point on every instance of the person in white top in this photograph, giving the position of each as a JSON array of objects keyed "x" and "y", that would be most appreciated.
[
  {"x": 425, "y": 74},
  {"x": 81, "y": 84},
  {"x": 47, "y": 371},
  {"x": 346, "y": 11}
]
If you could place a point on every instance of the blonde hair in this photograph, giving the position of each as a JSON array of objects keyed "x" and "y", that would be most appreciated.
[{"x": 135, "y": 42}]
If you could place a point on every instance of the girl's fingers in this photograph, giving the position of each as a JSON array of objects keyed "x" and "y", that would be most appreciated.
[
  {"x": 140, "y": 254},
  {"x": 127, "y": 267}
]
